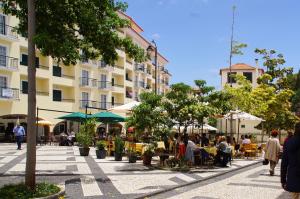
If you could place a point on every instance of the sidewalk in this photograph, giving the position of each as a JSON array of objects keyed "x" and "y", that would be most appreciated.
[{"x": 94, "y": 178}]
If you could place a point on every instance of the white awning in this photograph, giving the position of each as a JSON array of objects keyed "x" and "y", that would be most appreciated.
[{"x": 126, "y": 107}]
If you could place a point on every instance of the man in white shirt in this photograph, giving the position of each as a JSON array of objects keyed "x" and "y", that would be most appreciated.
[{"x": 19, "y": 132}]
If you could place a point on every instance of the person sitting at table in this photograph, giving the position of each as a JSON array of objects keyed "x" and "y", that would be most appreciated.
[
  {"x": 222, "y": 156},
  {"x": 189, "y": 152},
  {"x": 181, "y": 147},
  {"x": 204, "y": 140},
  {"x": 246, "y": 140},
  {"x": 216, "y": 141}
]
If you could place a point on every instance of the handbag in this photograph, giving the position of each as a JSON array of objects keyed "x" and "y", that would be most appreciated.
[{"x": 265, "y": 162}]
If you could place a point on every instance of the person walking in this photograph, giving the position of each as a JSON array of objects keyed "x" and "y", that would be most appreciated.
[
  {"x": 19, "y": 132},
  {"x": 290, "y": 165},
  {"x": 272, "y": 151}
]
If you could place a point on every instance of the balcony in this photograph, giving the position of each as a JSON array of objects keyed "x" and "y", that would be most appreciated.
[
  {"x": 8, "y": 63},
  {"x": 118, "y": 88},
  {"x": 98, "y": 105},
  {"x": 87, "y": 82},
  {"x": 129, "y": 94},
  {"x": 57, "y": 72},
  {"x": 90, "y": 63},
  {"x": 139, "y": 68},
  {"x": 149, "y": 72},
  {"x": 105, "y": 67},
  {"x": 88, "y": 103},
  {"x": 9, "y": 93},
  {"x": 104, "y": 85},
  {"x": 142, "y": 84},
  {"x": 7, "y": 32},
  {"x": 118, "y": 69}
]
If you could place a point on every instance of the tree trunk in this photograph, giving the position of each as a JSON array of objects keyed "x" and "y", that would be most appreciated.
[
  {"x": 231, "y": 128},
  {"x": 31, "y": 113}
]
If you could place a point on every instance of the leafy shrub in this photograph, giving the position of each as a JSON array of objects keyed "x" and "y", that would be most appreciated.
[{"x": 21, "y": 191}]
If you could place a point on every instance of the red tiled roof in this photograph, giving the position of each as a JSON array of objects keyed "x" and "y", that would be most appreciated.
[{"x": 241, "y": 66}]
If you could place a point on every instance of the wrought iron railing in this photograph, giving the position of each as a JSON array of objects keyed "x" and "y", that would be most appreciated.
[
  {"x": 9, "y": 93},
  {"x": 8, "y": 31},
  {"x": 9, "y": 62}
]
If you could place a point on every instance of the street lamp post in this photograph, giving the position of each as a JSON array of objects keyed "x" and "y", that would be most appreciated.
[{"x": 150, "y": 50}]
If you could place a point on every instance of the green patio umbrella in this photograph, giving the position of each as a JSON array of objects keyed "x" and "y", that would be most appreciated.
[
  {"x": 108, "y": 117},
  {"x": 77, "y": 116}
]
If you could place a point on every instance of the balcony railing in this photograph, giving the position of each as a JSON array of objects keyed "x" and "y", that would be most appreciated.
[
  {"x": 139, "y": 67},
  {"x": 149, "y": 72},
  {"x": 129, "y": 94},
  {"x": 102, "y": 65},
  {"x": 68, "y": 100},
  {"x": 142, "y": 84},
  {"x": 90, "y": 62},
  {"x": 9, "y": 62},
  {"x": 88, "y": 103},
  {"x": 128, "y": 62},
  {"x": 8, "y": 31},
  {"x": 104, "y": 85},
  {"x": 9, "y": 93},
  {"x": 98, "y": 105},
  {"x": 119, "y": 67},
  {"x": 85, "y": 81},
  {"x": 42, "y": 93},
  {"x": 118, "y": 85}
]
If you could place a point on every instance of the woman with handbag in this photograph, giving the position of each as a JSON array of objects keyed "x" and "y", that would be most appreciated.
[{"x": 272, "y": 151}]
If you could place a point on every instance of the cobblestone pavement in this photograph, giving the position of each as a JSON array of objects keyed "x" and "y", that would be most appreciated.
[
  {"x": 89, "y": 177},
  {"x": 249, "y": 183}
]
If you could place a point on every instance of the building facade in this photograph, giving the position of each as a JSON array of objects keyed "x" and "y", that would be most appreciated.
[
  {"x": 251, "y": 73},
  {"x": 245, "y": 127},
  {"x": 71, "y": 88}
]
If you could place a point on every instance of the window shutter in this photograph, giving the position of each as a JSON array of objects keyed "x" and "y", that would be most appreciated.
[
  {"x": 24, "y": 60},
  {"x": 37, "y": 62},
  {"x": 25, "y": 87},
  {"x": 57, "y": 71},
  {"x": 57, "y": 95}
]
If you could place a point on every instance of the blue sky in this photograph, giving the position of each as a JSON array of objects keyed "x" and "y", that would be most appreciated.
[{"x": 194, "y": 35}]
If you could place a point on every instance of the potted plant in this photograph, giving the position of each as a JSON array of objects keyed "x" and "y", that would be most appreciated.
[
  {"x": 119, "y": 147},
  {"x": 85, "y": 137},
  {"x": 132, "y": 156},
  {"x": 148, "y": 154},
  {"x": 101, "y": 149}
]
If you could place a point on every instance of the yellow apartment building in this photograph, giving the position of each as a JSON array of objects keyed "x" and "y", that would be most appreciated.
[{"x": 71, "y": 88}]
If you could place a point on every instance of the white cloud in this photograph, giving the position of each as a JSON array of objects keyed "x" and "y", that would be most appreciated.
[{"x": 155, "y": 36}]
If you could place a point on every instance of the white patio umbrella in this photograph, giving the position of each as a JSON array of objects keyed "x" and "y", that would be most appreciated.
[
  {"x": 240, "y": 115},
  {"x": 243, "y": 116},
  {"x": 126, "y": 107}
]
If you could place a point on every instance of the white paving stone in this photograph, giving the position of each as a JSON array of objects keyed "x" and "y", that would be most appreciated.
[
  {"x": 90, "y": 186},
  {"x": 248, "y": 188},
  {"x": 128, "y": 184}
]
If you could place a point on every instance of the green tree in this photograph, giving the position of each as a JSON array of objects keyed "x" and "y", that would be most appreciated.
[
  {"x": 66, "y": 31},
  {"x": 148, "y": 118},
  {"x": 274, "y": 62},
  {"x": 203, "y": 108},
  {"x": 177, "y": 104},
  {"x": 240, "y": 96},
  {"x": 237, "y": 48}
]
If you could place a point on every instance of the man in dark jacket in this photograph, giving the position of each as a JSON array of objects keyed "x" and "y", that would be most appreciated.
[{"x": 290, "y": 165}]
